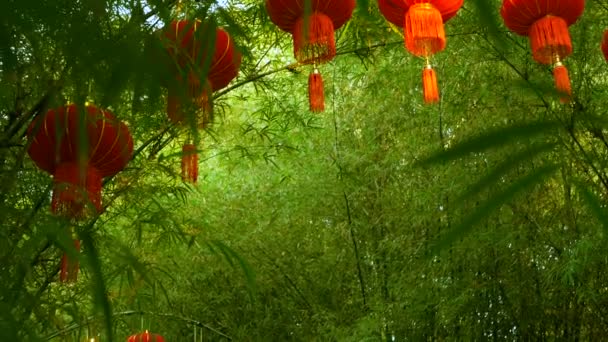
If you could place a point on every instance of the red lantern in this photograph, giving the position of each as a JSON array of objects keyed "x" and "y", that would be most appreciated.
[
  {"x": 547, "y": 28},
  {"x": 605, "y": 45},
  {"x": 313, "y": 35},
  {"x": 189, "y": 47},
  {"x": 78, "y": 149},
  {"x": 422, "y": 22},
  {"x": 146, "y": 337}
]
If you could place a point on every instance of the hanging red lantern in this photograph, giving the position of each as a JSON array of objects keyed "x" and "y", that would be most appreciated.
[
  {"x": 189, "y": 46},
  {"x": 313, "y": 35},
  {"x": 547, "y": 28},
  {"x": 146, "y": 337},
  {"x": 605, "y": 45},
  {"x": 79, "y": 150},
  {"x": 423, "y": 28}
]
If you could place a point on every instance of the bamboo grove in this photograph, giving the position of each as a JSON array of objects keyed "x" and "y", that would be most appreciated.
[{"x": 223, "y": 199}]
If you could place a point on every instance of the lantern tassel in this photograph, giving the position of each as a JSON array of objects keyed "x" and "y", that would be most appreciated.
[
  {"x": 76, "y": 189},
  {"x": 316, "y": 97},
  {"x": 430, "y": 87},
  {"x": 189, "y": 163},
  {"x": 316, "y": 44},
  {"x": 562, "y": 82},
  {"x": 424, "y": 31},
  {"x": 69, "y": 268},
  {"x": 549, "y": 38}
]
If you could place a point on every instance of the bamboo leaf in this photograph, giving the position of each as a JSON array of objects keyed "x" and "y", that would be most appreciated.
[
  {"x": 503, "y": 169},
  {"x": 496, "y": 138},
  {"x": 99, "y": 285},
  {"x": 493, "y": 204},
  {"x": 594, "y": 204}
]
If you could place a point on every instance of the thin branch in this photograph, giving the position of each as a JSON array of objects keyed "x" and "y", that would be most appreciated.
[{"x": 293, "y": 66}]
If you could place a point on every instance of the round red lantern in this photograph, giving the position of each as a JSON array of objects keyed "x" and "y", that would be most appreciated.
[
  {"x": 423, "y": 29},
  {"x": 604, "y": 45},
  {"x": 197, "y": 52},
  {"x": 547, "y": 28},
  {"x": 313, "y": 35},
  {"x": 146, "y": 337},
  {"x": 79, "y": 148}
]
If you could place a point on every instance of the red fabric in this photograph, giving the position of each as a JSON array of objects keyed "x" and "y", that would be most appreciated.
[
  {"x": 394, "y": 11},
  {"x": 189, "y": 164},
  {"x": 146, "y": 337},
  {"x": 605, "y": 45},
  {"x": 188, "y": 42},
  {"x": 316, "y": 95},
  {"x": 285, "y": 13},
  {"x": 101, "y": 141},
  {"x": 519, "y": 15},
  {"x": 195, "y": 97},
  {"x": 550, "y": 39},
  {"x": 562, "y": 83},
  {"x": 430, "y": 88},
  {"x": 180, "y": 38},
  {"x": 225, "y": 63},
  {"x": 424, "y": 33},
  {"x": 447, "y": 8}
]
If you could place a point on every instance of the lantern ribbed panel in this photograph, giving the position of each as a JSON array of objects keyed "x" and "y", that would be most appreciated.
[
  {"x": 604, "y": 45},
  {"x": 447, "y": 8},
  {"x": 519, "y": 15},
  {"x": 105, "y": 142},
  {"x": 225, "y": 63},
  {"x": 285, "y": 13},
  {"x": 317, "y": 43},
  {"x": 188, "y": 42},
  {"x": 394, "y": 11},
  {"x": 550, "y": 39},
  {"x": 146, "y": 337},
  {"x": 424, "y": 33},
  {"x": 180, "y": 41}
]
